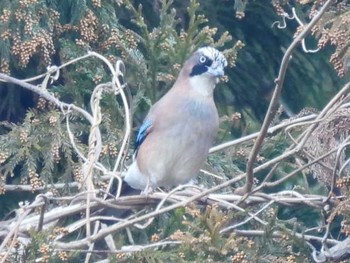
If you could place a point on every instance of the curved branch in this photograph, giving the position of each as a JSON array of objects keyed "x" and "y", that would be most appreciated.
[{"x": 276, "y": 94}]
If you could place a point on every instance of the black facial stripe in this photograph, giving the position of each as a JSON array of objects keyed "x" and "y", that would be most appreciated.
[
  {"x": 201, "y": 68},
  {"x": 198, "y": 70},
  {"x": 208, "y": 62}
]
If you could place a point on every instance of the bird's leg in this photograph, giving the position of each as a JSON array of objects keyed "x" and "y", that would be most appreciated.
[{"x": 148, "y": 189}]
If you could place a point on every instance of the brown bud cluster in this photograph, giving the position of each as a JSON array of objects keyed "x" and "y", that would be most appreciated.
[
  {"x": 88, "y": 27},
  {"x": 5, "y": 35},
  {"x": 291, "y": 259},
  {"x": 200, "y": 239},
  {"x": 224, "y": 78},
  {"x": 232, "y": 56},
  {"x": 2, "y": 185},
  {"x": 155, "y": 237},
  {"x": 130, "y": 39},
  {"x": 54, "y": 191},
  {"x": 337, "y": 64},
  {"x": 53, "y": 120},
  {"x": 96, "y": 3},
  {"x": 235, "y": 117},
  {"x": 299, "y": 30},
  {"x": 60, "y": 230},
  {"x": 183, "y": 35},
  {"x": 345, "y": 228},
  {"x": 41, "y": 104},
  {"x": 113, "y": 151},
  {"x": 63, "y": 255},
  {"x": 112, "y": 59},
  {"x": 97, "y": 79},
  {"x": 4, "y": 18},
  {"x": 165, "y": 77},
  {"x": 285, "y": 237},
  {"x": 40, "y": 43},
  {"x": 178, "y": 235},
  {"x": 104, "y": 29},
  {"x": 260, "y": 158},
  {"x": 124, "y": 55},
  {"x": 177, "y": 66},
  {"x": 250, "y": 243},
  {"x": 20, "y": 15},
  {"x": 54, "y": 16},
  {"x": 120, "y": 256},
  {"x": 104, "y": 150},
  {"x": 113, "y": 41},
  {"x": 240, "y": 15},
  {"x": 5, "y": 66},
  {"x": 337, "y": 34},
  {"x": 51, "y": 105},
  {"x": 165, "y": 46},
  {"x": 279, "y": 9},
  {"x": 35, "y": 181},
  {"x": 78, "y": 174},
  {"x": 3, "y": 157},
  {"x": 338, "y": 38},
  {"x": 45, "y": 250},
  {"x": 209, "y": 31},
  {"x": 193, "y": 211},
  {"x": 35, "y": 121},
  {"x": 240, "y": 257},
  {"x": 343, "y": 182},
  {"x": 29, "y": 23},
  {"x": 26, "y": 3},
  {"x": 23, "y": 136},
  {"x": 241, "y": 153},
  {"x": 110, "y": 149},
  {"x": 325, "y": 37},
  {"x": 341, "y": 7},
  {"x": 23, "y": 180},
  {"x": 239, "y": 44},
  {"x": 313, "y": 10},
  {"x": 102, "y": 185},
  {"x": 81, "y": 43},
  {"x": 55, "y": 151}
]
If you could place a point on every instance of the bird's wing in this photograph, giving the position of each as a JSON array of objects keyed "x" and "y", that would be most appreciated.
[
  {"x": 142, "y": 134},
  {"x": 158, "y": 113}
]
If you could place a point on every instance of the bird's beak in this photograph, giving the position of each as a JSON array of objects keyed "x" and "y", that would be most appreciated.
[{"x": 216, "y": 72}]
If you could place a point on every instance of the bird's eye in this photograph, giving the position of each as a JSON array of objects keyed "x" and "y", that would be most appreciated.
[{"x": 202, "y": 59}]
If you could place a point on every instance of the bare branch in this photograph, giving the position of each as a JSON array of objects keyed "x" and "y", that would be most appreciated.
[{"x": 276, "y": 94}]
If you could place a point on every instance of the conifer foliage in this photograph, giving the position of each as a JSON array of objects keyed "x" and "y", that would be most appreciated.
[{"x": 77, "y": 76}]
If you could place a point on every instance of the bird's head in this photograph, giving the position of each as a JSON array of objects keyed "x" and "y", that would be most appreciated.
[
  {"x": 204, "y": 69},
  {"x": 208, "y": 61}
]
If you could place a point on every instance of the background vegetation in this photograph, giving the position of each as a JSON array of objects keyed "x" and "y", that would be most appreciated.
[{"x": 64, "y": 132}]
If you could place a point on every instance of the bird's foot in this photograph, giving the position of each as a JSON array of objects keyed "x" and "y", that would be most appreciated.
[{"x": 147, "y": 191}]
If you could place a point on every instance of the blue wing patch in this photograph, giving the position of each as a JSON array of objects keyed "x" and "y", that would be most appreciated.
[{"x": 142, "y": 134}]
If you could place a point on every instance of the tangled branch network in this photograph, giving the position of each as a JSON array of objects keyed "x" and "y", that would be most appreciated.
[{"x": 253, "y": 202}]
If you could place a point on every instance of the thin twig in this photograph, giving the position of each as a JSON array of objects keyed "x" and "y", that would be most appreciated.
[
  {"x": 275, "y": 97},
  {"x": 252, "y": 136}
]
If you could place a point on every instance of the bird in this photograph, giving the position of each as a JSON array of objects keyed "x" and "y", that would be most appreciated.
[{"x": 174, "y": 140}]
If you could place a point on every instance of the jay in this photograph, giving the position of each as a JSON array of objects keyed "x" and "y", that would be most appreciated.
[{"x": 174, "y": 139}]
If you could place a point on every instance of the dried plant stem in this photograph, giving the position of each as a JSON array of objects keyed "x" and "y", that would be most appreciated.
[
  {"x": 271, "y": 130},
  {"x": 12, "y": 235},
  {"x": 276, "y": 94}
]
